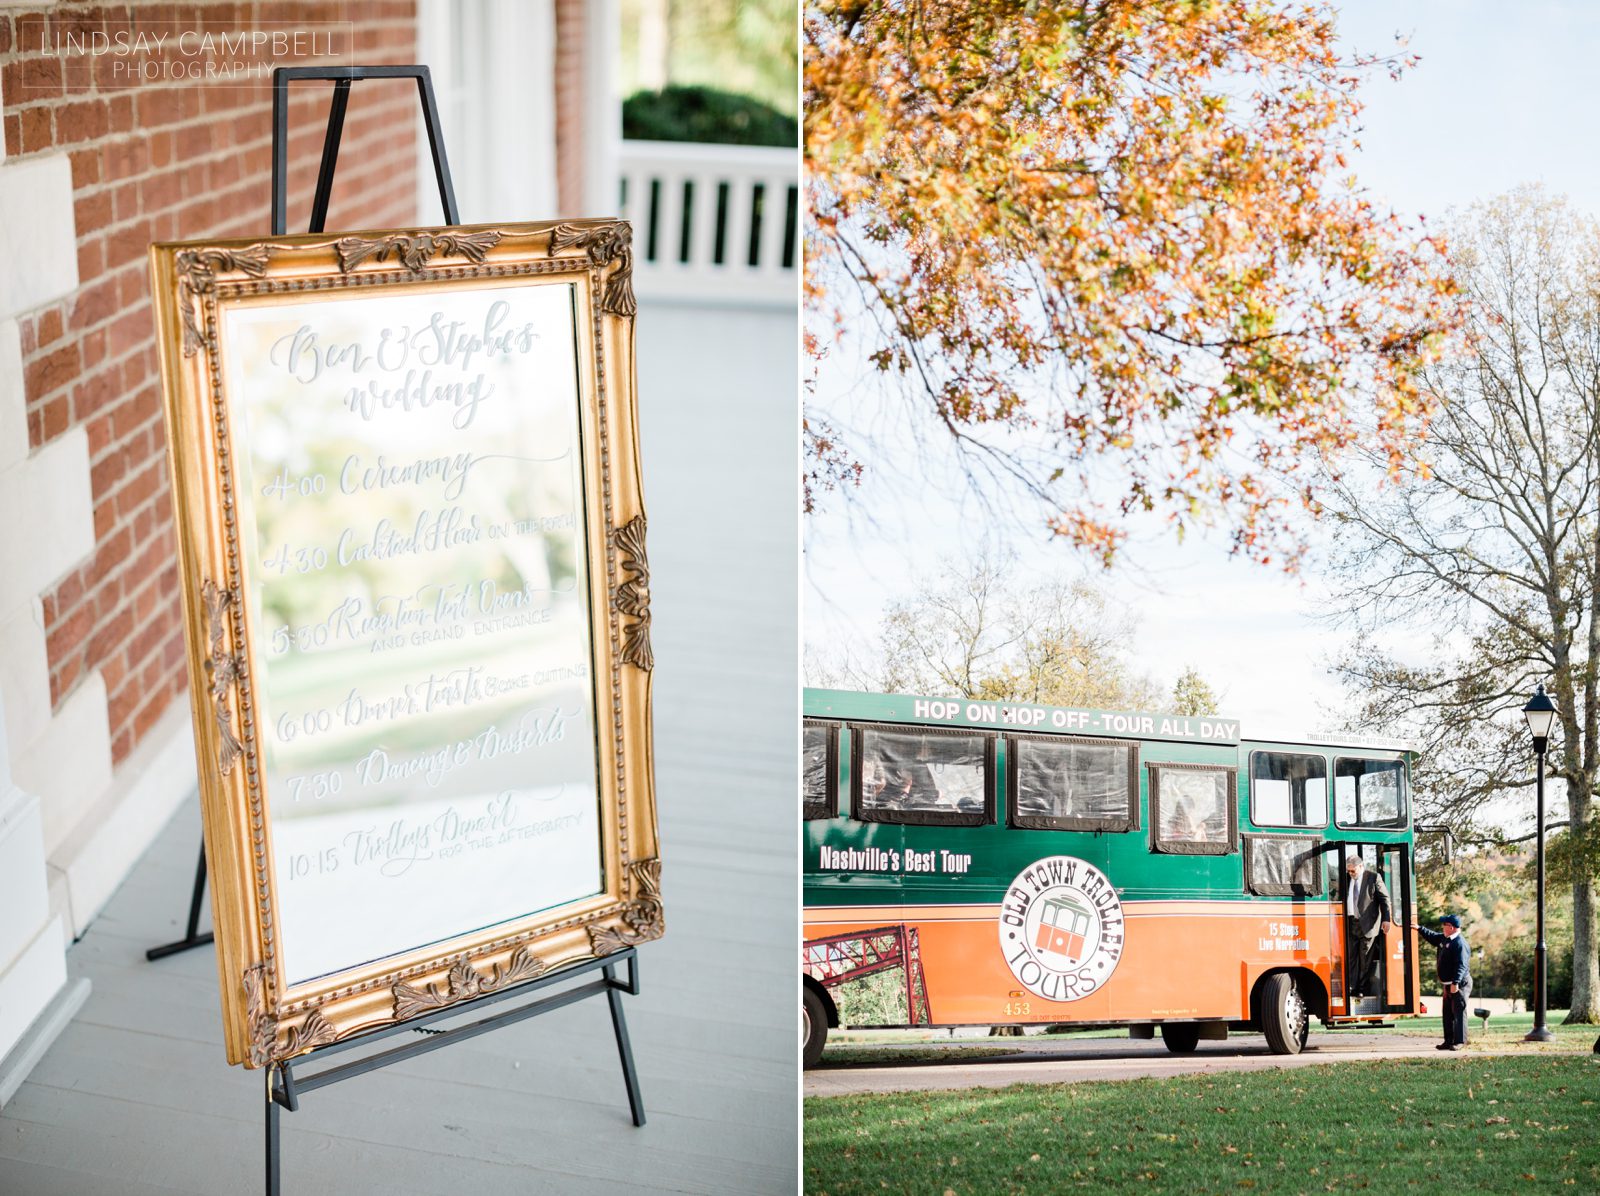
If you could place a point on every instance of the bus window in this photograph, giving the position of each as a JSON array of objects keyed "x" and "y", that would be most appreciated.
[
  {"x": 1192, "y": 809},
  {"x": 1369, "y": 792},
  {"x": 1288, "y": 789},
  {"x": 1073, "y": 784},
  {"x": 820, "y": 752},
  {"x": 1280, "y": 866},
  {"x": 928, "y": 777}
]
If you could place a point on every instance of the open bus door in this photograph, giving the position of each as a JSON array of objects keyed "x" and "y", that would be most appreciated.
[{"x": 1396, "y": 966}]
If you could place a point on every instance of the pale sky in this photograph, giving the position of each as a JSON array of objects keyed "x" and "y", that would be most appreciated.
[{"x": 1505, "y": 94}]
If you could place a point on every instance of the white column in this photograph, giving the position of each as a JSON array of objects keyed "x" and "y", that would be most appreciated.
[
  {"x": 36, "y": 999},
  {"x": 602, "y": 115},
  {"x": 46, "y": 527},
  {"x": 493, "y": 69}
]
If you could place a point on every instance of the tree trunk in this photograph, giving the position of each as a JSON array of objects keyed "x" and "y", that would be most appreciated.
[{"x": 1585, "y": 962}]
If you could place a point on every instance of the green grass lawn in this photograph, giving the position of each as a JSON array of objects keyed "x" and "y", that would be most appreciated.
[
  {"x": 1505, "y": 1029},
  {"x": 1456, "y": 1124}
]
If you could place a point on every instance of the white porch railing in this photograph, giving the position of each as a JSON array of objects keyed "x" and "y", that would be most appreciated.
[{"x": 713, "y": 222}]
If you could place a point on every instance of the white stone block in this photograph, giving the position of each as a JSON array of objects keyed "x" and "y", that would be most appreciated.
[
  {"x": 24, "y": 675},
  {"x": 38, "y": 239},
  {"x": 69, "y": 766},
  {"x": 23, "y": 895},
  {"x": 111, "y": 836},
  {"x": 52, "y": 487},
  {"x": 13, "y": 399}
]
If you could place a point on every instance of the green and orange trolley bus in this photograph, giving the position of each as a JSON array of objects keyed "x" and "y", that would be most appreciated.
[{"x": 992, "y": 863}]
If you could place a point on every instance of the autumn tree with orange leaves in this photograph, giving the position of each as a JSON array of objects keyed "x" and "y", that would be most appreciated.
[{"x": 1122, "y": 235}]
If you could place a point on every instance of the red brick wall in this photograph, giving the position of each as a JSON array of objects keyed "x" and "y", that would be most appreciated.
[
  {"x": 571, "y": 29},
  {"x": 158, "y": 162}
]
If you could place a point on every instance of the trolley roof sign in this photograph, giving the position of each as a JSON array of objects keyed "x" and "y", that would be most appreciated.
[{"x": 1020, "y": 716}]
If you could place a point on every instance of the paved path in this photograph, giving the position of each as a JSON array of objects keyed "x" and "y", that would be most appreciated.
[{"x": 1119, "y": 1059}]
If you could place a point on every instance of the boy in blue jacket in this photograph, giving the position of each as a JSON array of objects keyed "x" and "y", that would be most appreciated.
[{"x": 1454, "y": 975}]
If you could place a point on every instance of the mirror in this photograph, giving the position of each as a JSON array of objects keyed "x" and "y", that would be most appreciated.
[
  {"x": 406, "y": 483},
  {"x": 413, "y": 525}
]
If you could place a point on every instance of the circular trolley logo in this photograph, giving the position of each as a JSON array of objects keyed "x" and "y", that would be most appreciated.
[{"x": 1061, "y": 928}]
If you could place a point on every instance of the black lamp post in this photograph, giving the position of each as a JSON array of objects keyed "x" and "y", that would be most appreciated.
[{"x": 1540, "y": 713}]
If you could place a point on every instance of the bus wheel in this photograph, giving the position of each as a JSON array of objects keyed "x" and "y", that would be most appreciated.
[
  {"x": 1285, "y": 1020},
  {"x": 1181, "y": 1037},
  {"x": 813, "y": 1026}
]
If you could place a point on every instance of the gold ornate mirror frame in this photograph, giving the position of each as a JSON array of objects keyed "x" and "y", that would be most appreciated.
[{"x": 265, "y": 1019}]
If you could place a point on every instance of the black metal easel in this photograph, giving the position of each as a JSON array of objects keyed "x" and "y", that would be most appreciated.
[
  {"x": 190, "y": 938},
  {"x": 342, "y": 77},
  {"x": 284, "y": 1088}
]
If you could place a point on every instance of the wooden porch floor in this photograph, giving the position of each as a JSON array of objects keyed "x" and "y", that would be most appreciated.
[{"x": 135, "y": 1098}]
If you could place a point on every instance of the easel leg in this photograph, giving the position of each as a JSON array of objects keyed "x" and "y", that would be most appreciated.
[
  {"x": 190, "y": 938},
  {"x": 624, "y": 1048},
  {"x": 272, "y": 1138}
]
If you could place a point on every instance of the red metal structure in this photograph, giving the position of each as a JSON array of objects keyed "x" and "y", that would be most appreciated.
[{"x": 834, "y": 959}]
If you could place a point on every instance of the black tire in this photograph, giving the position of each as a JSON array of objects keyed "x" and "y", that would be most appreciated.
[
  {"x": 1181, "y": 1037},
  {"x": 1285, "y": 1017},
  {"x": 813, "y": 1026}
]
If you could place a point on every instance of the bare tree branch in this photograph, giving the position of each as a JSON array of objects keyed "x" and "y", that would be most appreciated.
[{"x": 1492, "y": 549}]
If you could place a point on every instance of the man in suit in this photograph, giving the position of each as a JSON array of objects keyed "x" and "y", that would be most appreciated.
[
  {"x": 1368, "y": 915},
  {"x": 1455, "y": 976}
]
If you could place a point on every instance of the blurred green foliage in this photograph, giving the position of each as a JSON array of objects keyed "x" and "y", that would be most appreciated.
[
  {"x": 704, "y": 114},
  {"x": 876, "y": 1000},
  {"x": 746, "y": 46},
  {"x": 1493, "y": 891}
]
